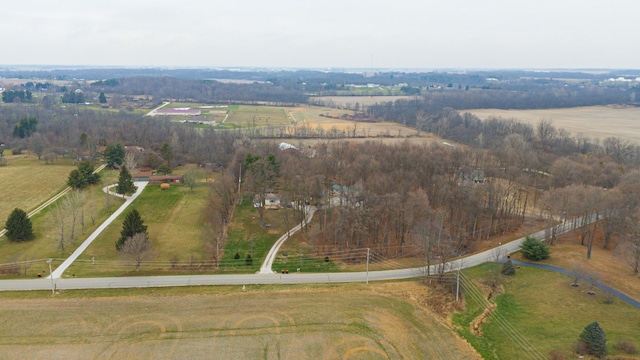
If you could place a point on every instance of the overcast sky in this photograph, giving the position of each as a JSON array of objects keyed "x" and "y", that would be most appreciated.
[{"x": 404, "y": 34}]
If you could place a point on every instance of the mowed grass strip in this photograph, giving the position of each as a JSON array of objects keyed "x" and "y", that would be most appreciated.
[
  {"x": 175, "y": 222},
  {"x": 250, "y": 116},
  {"x": 549, "y": 313},
  {"x": 97, "y": 208},
  {"x": 294, "y": 322},
  {"x": 27, "y": 182}
]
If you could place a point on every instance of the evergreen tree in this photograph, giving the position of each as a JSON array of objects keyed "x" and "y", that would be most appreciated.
[
  {"x": 114, "y": 154},
  {"x": 596, "y": 339},
  {"x": 508, "y": 268},
  {"x": 19, "y": 227},
  {"x": 77, "y": 180},
  {"x": 125, "y": 182},
  {"x": 249, "y": 260},
  {"x": 86, "y": 169},
  {"x": 133, "y": 224},
  {"x": 534, "y": 250},
  {"x": 102, "y": 98},
  {"x": 167, "y": 153}
]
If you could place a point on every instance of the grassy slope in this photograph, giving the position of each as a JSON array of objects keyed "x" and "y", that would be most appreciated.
[
  {"x": 27, "y": 182},
  {"x": 45, "y": 245},
  {"x": 549, "y": 313}
]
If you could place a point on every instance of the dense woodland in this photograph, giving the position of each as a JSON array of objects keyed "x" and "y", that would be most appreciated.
[{"x": 398, "y": 199}]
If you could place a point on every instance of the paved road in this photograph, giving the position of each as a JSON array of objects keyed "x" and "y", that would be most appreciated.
[
  {"x": 606, "y": 288},
  {"x": 153, "y": 112},
  {"x": 57, "y": 273},
  {"x": 297, "y": 278}
]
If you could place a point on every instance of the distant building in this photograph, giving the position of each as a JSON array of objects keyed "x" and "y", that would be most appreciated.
[
  {"x": 178, "y": 112},
  {"x": 168, "y": 179}
]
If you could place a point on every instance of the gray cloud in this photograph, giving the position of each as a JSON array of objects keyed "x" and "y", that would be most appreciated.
[{"x": 331, "y": 33}]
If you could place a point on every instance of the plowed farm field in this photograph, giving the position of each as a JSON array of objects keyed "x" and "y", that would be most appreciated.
[{"x": 343, "y": 322}]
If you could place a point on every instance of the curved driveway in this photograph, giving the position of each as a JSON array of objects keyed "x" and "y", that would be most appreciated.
[{"x": 57, "y": 273}]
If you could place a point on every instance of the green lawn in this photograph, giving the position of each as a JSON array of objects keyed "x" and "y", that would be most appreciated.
[
  {"x": 247, "y": 237},
  {"x": 548, "y": 312},
  {"x": 175, "y": 223},
  {"x": 45, "y": 245},
  {"x": 28, "y": 182},
  {"x": 251, "y": 116}
]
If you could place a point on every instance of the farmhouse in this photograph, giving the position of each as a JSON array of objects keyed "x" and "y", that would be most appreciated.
[
  {"x": 271, "y": 200},
  {"x": 166, "y": 179},
  {"x": 142, "y": 176}
]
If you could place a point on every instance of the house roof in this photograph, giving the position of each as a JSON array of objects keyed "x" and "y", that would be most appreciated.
[{"x": 166, "y": 177}]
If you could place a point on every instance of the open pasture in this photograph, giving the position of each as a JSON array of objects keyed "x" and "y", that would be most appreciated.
[
  {"x": 268, "y": 322},
  {"x": 251, "y": 116},
  {"x": 332, "y": 124},
  {"x": 598, "y": 122},
  {"x": 27, "y": 182}
]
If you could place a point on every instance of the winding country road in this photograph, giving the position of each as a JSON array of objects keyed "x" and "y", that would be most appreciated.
[{"x": 270, "y": 278}]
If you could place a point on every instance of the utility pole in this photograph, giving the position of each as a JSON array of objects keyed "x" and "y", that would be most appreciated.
[
  {"x": 457, "y": 285},
  {"x": 240, "y": 179},
  {"x": 367, "y": 280},
  {"x": 53, "y": 289}
]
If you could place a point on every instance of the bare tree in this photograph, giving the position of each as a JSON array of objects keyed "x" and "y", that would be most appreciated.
[
  {"x": 138, "y": 247},
  {"x": 59, "y": 216},
  {"x": 191, "y": 177},
  {"x": 131, "y": 161}
]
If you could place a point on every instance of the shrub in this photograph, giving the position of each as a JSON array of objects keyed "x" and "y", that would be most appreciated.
[
  {"x": 508, "y": 268},
  {"x": 595, "y": 339},
  {"x": 580, "y": 347},
  {"x": 555, "y": 355},
  {"x": 626, "y": 346},
  {"x": 534, "y": 249},
  {"x": 236, "y": 256},
  {"x": 326, "y": 259},
  {"x": 248, "y": 261}
]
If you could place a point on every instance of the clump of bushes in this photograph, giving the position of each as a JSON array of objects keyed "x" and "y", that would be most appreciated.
[
  {"x": 626, "y": 346},
  {"x": 555, "y": 355}
]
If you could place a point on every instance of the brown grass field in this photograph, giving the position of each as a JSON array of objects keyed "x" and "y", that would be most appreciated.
[
  {"x": 309, "y": 116},
  {"x": 28, "y": 182},
  {"x": 350, "y": 321},
  {"x": 598, "y": 122}
]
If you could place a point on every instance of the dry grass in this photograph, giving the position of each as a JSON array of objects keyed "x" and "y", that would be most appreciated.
[
  {"x": 362, "y": 100},
  {"x": 609, "y": 264},
  {"x": 593, "y": 121},
  {"x": 27, "y": 182},
  {"x": 298, "y": 322},
  {"x": 310, "y": 117}
]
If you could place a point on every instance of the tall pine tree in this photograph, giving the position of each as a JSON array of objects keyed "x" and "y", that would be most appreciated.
[
  {"x": 133, "y": 224},
  {"x": 19, "y": 226},
  {"x": 125, "y": 182}
]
